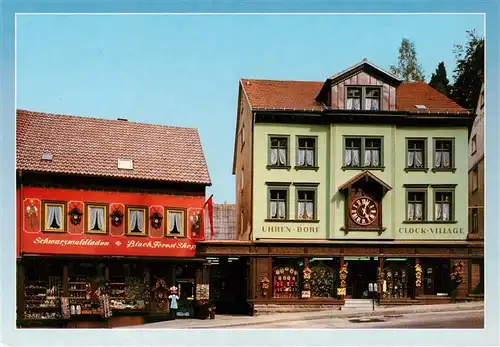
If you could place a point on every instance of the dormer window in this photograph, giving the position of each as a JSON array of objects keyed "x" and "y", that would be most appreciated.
[
  {"x": 363, "y": 98},
  {"x": 353, "y": 99}
]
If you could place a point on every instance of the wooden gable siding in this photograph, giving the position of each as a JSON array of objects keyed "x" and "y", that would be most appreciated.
[{"x": 362, "y": 78}]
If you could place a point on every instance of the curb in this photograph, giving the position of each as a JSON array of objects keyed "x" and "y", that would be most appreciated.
[{"x": 340, "y": 314}]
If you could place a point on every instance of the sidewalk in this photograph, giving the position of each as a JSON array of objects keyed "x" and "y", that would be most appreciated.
[{"x": 225, "y": 321}]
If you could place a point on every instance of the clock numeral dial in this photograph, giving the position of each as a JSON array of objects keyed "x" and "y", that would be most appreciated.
[{"x": 363, "y": 211}]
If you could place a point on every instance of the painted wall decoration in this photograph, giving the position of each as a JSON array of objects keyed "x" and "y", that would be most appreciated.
[
  {"x": 32, "y": 215},
  {"x": 195, "y": 222}
]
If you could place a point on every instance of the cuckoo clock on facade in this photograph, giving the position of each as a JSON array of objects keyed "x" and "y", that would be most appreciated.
[
  {"x": 363, "y": 202},
  {"x": 75, "y": 215},
  {"x": 116, "y": 217},
  {"x": 156, "y": 219}
]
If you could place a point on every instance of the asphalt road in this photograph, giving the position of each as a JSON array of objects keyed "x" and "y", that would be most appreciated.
[{"x": 433, "y": 320}]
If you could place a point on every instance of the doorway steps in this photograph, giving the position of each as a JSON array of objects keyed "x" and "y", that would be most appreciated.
[{"x": 358, "y": 305}]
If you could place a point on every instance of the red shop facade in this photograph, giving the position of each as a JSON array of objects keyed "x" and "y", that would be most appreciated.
[{"x": 99, "y": 246}]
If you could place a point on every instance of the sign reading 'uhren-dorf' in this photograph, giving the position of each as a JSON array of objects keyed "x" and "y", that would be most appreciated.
[{"x": 289, "y": 229}]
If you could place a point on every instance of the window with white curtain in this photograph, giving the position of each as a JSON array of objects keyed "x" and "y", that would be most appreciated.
[
  {"x": 54, "y": 217},
  {"x": 175, "y": 223},
  {"x": 278, "y": 204},
  {"x": 278, "y": 151},
  {"x": 306, "y": 152},
  {"x": 306, "y": 208},
  {"x": 136, "y": 223},
  {"x": 415, "y": 156},
  {"x": 363, "y": 98},
  {"x": 96, "y": 219},
  {"x": 443, "y": 208},
  {"x": 443, "y": 156},
  {"x": 353, "y": 101},
  {"x": 416, "y": 206},
  {"x": 363, "y": 152}
]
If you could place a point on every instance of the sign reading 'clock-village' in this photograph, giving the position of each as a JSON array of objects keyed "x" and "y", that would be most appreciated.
[{"x": 363, "y": 211}]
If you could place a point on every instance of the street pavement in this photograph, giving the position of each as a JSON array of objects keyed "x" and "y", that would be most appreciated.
[{"x": 462, "y": 315}]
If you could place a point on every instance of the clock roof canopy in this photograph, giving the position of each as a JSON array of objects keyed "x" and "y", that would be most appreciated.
[{"x": 366, "y": 176}]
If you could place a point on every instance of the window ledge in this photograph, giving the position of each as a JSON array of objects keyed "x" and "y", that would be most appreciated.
[
  {"x": 283, "y": 167},
  {"x": 418, "y": 169},
  {"x": 444, "y": 169},
  {"x": 303, "y": 220},
  {"x": 60, "y": 231},
  {"x": 138, "y": 235},
  {"x": 429, "y": 222},
  {"x": 380, "y": 168},
  {"x": 277, "y": 220},
  {"x": 380, "y": 230},
  {"x": 315, "y": 168}
]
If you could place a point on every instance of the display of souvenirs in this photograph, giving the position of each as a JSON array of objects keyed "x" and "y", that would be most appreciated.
[
  {"x": 65, "y": 309},
  {"x": 105, "y": 306},
  {"x": 418, "y": 275},
  {"x": 129, "y": 294},
  {"x": 42, "y": 299},
  {"x": 202, "y": 291},
  {"x": 160, "y": 293},
  {"x": 457, "y": 275},
  {"x": 84, "y": 295},
  {"x": 285, "y": 282},
  {"x": 395, "y": 283},
  {"x": 322, "y": 282},
  {"x": 343, "y": 276}
]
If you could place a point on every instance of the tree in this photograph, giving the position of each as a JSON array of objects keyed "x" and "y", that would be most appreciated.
[
  {"x": 408, "y": 67},
  {"x": 469, "y": 73},
  {"x": 439, "y": 80}
]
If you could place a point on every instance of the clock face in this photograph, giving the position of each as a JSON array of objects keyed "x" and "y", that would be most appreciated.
[{"x": 363, "y": 211}]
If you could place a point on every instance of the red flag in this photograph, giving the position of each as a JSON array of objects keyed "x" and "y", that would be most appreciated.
[{"x": 209, "y": 210}]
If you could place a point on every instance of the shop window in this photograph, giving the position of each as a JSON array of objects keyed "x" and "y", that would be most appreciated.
[
  {"x": 324, "y": 279},
  {"x": 54, "y": 216},
  {"x": 86, "y": 284},
  {"x": 128, "y": 286},
  {"x": 136, "y": 221},
  {"x": 176, "y": 222},
  {"x": 97, "y": 219},
  {"x": 306, "y": 204},
  {"x": 397, "y": 278},
  {"x": 42, "y": 290},
  {"x": 287, "y": 278},
  {"x": 436, "y": 276},
  {"x": 306, "y": 152},
  {"x": 278, "y": 152}
]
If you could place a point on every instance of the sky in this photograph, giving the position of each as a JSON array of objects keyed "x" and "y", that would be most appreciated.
[{"x": 183, "y": 70}]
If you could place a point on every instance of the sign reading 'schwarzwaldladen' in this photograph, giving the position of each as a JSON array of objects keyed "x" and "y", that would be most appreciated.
[{"x": 107, "y": 245}]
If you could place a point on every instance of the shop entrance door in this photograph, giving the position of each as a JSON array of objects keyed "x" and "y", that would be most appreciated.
[
  {"x": 360, "y": 272},
  {"x": 229, "y": 285}
]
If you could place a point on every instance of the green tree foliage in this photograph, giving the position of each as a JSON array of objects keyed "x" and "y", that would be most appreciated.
[
  {"x": 469, "y": 73},
  {"x": 408, "y": 67},
  {"x": 439, "y": 80}
]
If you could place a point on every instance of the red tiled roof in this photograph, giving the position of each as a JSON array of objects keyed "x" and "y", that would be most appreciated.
[
  {"x": 92, "y": 146},
  {"x": 283, "y": 94},
  {"x": 420, "y": 93},
  {"x": 300, "y": 95}
]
